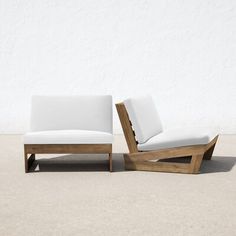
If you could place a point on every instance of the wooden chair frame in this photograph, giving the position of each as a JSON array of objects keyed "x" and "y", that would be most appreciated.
[
  {"x": 145, "y": 160},
  {"x": 33, "y": 149}
]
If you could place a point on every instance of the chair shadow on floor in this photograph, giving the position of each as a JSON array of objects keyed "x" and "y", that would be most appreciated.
[
  {"x": 218, "y": 164},
  {"x": 80, "y": 162},
  {"x": 99, "y": 162}
]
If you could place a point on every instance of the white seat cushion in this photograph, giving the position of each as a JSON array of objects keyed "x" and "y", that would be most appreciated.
[
  {"x": 68, "y": 137},
  {"x": 178, "y": 138},
  {"x": 144, "y": 117}
]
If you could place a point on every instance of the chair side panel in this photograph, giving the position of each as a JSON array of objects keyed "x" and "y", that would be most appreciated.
[{"x": 127, "y": 128}]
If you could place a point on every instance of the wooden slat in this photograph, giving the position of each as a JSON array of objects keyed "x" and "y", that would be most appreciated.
[
  {"x": 127, "y": 128},
  {"x": 68, "y": 148}
]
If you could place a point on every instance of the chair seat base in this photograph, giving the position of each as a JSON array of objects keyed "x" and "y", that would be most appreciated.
[
  {"x": 34, "y": 149},
  {"x": 145, "y": 161}
]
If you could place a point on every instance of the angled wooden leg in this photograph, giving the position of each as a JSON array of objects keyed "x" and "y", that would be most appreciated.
[
  {"x": 210, "y": 149},
  {"x": 195, "y": 164},
  {"x": 110, "y": 162},
  {"x": 209, "y": 152},
  {"x": 29, "y": 161}
]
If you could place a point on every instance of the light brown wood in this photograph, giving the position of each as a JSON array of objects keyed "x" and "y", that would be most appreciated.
[
  {"x": 196, "y": 162},
  {"x": 210, "y": 149},
  {"x": 158, "y": 166},
  {"x": 127, "y": 127},
  {"x": 65, "y": 149},
  {"x": 68, "y": 148},
  {"x": 144, "y": 160}
]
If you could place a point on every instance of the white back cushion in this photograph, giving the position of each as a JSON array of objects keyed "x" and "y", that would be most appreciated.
[
  {"x": 71, "y": 112},
  {"x": 144, "y": 117}
]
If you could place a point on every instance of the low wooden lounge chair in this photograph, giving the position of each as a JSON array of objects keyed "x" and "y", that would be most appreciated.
[
  {"x": 69, "y": 125},
  {"x": 151, "y": 148}
]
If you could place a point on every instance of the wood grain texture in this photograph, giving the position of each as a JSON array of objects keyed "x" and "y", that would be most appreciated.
[
  {"x": 145, "y": 160},
  {"x": 127, "y": 127},
  {"x": 158, "y": 166},
  {"x": 68, "y": 148},
  {"x": 34, "y": 149},
  {"x": 210, "y": 149}
]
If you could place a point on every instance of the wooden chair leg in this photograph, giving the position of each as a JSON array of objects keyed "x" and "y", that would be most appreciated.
[
  {"x": 29, "y": 161},
  {"x": 195, "y": 164},
  {"x": 26, "y": 163},
  {"x": 110, "y": 162},
  {"x": 209, "y": 152}
]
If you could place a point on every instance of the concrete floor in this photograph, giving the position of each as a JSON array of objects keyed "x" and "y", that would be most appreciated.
[{"x": 74, "y": 195}]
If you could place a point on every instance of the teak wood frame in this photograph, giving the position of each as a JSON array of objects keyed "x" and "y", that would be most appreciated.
[
  {"x": 33, "y": 149},
  {"x": 145, "y": 160}
]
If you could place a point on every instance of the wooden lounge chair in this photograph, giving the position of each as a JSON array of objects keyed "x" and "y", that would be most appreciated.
[
  {"x": 69, "y": 124},
  {"x": 151, "y": 148}
]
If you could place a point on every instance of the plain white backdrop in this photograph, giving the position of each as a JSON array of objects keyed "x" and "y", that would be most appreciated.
[{"x": 181, "y": 52}]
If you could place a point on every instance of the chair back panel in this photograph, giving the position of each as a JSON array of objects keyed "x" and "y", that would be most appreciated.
[
  {"x": 71, "y": 112},
  {"x": 127, "y": 127},
  {"x": 144, "y": 117}
]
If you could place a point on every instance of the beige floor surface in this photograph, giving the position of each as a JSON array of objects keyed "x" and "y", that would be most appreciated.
[{"x": 75, "y": 195}]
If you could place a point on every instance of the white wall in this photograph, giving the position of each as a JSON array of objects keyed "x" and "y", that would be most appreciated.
[{"x": 182, "y": 52}]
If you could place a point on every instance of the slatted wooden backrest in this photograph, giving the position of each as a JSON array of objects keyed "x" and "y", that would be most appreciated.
[{"x": 127, "y": 127}]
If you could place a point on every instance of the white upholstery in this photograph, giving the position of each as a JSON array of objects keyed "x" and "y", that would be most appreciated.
[
  {"x": 68, "y": 137},
  {"x": 71, "y": 113},
  {"x": 178, "y": 138},
  {"x": 144, "y": 117},
  {"x": 70, "y": 120}
]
